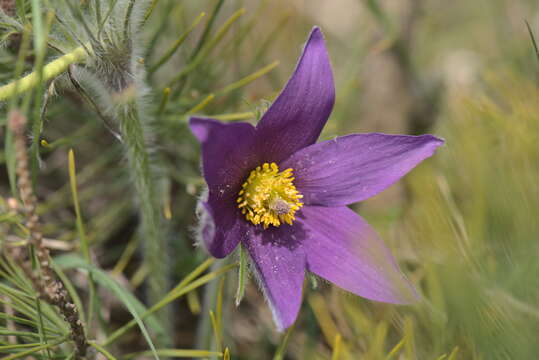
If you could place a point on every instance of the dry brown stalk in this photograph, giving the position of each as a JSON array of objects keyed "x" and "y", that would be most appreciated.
[
  {"x": 8, "y": 6},
  {"x": 47, "y": 285}
]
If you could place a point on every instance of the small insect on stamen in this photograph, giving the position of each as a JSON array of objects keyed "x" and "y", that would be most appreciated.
[
  {"x": 269, "y": 197},
  {"x": 280, "y": 206}
]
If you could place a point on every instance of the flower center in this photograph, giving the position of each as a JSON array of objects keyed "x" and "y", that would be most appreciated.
[{"x": 269, "y": 197}]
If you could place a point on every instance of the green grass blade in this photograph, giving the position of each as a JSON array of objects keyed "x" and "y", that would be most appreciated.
[
  {"x": 337, "y": 348},
  {"x": 41, "y": 328},
  {"x": 164, "y": 101},
  {"x": 235, "y": 116},
  {"x": 177, "y": 292},
  {"x": 216, "y": 332},
  {"x": 180, "y": 353},
  {"x": 234, "y": 86},
  {"x": 207, "y": 29},
  {"x": 168, "y": 54},
  {"x": 18, "y": 346},
  {"x": 41, "y": 34},
  {"x": 208, "y": 47},
  {"x": 150, "y": 10},
  {"x": 9, "y": 149},
  {"x": 396, "y": 349},
  {"x": 242, "y": 275},
  {"x": 26, "y": 307},
  {"x": 280, "y": 353},
  {"x": 248, "y": 79},
  {"x": 201, "y": 105},
  {"x": 453, "y": 355},
  {"x": 198, "y": 270},
  {"x": 104, "y": 351},
  {"x": 219, "y": 312},
  {"x": 533, "y": 40},
  {"x": 130, "y": 302},
  {"x": 27, "y": 334},
  {"x": 34, "y": 350},
  {"x": 85, "y": 246}
]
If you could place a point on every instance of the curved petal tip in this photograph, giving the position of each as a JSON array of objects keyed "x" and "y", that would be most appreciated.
[
  {"x": 200, "y": 127},
  {"x": 297, "y": 116}
]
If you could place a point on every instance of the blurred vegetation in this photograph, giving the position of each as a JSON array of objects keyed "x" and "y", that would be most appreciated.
[{"x": 462, "y": 225}]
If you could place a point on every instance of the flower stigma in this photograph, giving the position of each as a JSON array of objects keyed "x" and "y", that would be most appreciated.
[{"x": 269, "y": 197}]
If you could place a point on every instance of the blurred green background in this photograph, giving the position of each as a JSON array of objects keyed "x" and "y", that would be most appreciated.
[{"x": 463, "y": 225}]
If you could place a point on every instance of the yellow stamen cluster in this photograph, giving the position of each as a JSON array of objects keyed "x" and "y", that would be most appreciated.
[{"x": 269, "y": 197}]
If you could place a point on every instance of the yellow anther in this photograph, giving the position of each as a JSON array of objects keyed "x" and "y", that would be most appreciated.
[{"x": 269, "y": 197}]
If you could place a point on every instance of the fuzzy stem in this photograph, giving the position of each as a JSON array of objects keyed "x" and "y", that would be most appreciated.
[
  {"x": 51, "y": 70},
  {"x": 143, "y": 174}
]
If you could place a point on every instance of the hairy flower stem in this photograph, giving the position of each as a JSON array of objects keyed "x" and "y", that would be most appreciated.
[
  {"x": 143, "y": 174},
  {"x": 51, "y": 70},
  {"x": 47, "y": 286}
]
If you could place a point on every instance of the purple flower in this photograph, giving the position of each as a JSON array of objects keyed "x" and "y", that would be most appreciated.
[{"x": 284, "y": 196}]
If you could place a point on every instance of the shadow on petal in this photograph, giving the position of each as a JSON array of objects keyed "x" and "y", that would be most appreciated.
[{"x": 288, "y": 236}]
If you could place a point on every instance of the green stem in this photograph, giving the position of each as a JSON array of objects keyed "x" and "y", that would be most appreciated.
[
  {"x": 187, "y": 285},
  {"x": 51, "y": 70},
  {"x": 168, "y": 54},
  {"x": 34, "y": 350},
  {"x": 103, "y": 351},
  {"x": 135, "y": 136}
]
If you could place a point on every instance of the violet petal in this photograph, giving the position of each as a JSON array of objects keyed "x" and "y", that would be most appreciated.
[
  {"x": 279, "y": 262},
  {"x": 342, "y": 248},
  {"x": 353, "y": 168},
  {"x": 222, "y": 229},
  {"x": 298, "y": 115},
  {"x": 227, "y": 158}
]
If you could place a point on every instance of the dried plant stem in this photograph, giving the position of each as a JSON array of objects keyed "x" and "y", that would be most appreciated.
[
  {"x": 8, "y": 6},
  {"x": 47, "y": 286}
]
